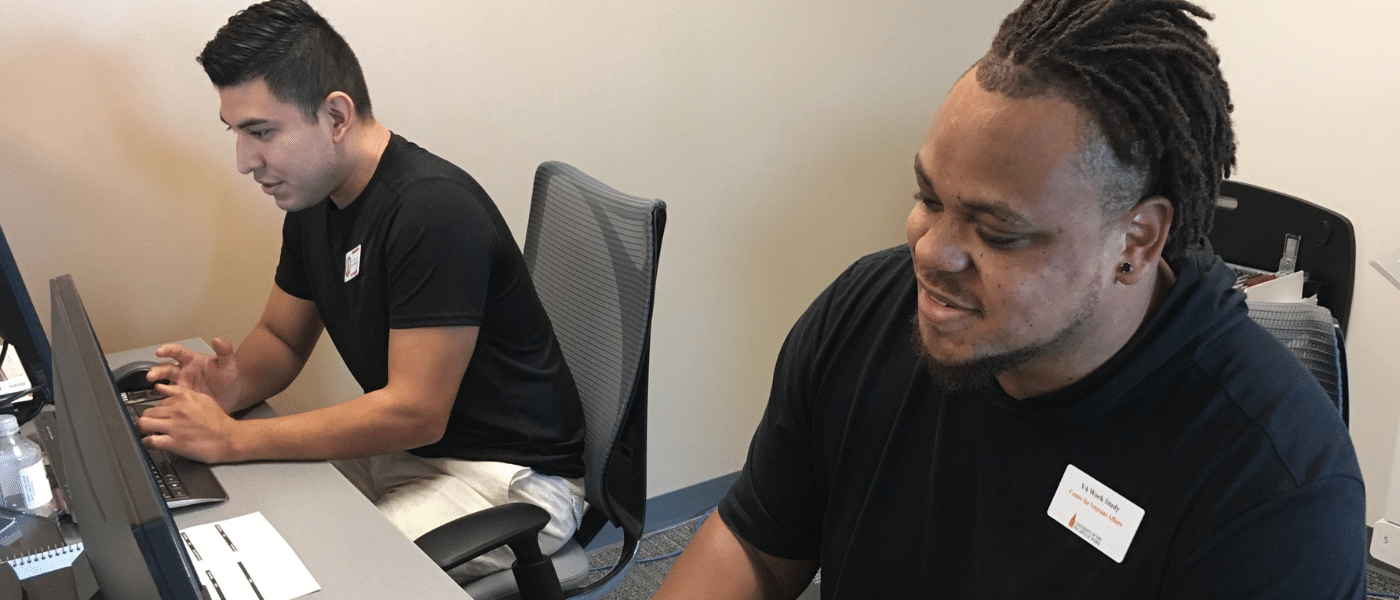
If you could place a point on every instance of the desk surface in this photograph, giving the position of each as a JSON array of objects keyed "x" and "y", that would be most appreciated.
[{"x": 349, "y": 547}]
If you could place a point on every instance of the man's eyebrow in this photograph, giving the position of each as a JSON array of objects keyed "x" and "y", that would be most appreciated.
[
  {"x": 245, "y": 123},
  {"x": 919, "y": 172},
  {"x": 996, "y": 208}
]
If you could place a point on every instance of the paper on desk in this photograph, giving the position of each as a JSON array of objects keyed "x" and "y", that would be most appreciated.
[{"x": 244, "y": 558}]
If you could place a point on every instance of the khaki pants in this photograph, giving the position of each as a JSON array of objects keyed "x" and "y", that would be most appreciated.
[{"x": 418, "y": 494}]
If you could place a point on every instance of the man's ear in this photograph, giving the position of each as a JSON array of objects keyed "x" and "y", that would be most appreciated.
[
  {"x": 339, "y": 111},
  {"x": 1148, "y": 223}
]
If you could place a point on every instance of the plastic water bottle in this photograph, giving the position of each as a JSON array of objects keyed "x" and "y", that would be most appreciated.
[{"x": 24, "y": 483}]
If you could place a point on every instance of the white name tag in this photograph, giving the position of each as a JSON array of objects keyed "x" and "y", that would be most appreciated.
[
  {"x": 352, "y": 263},
  {"x": 1095, "y": 513}
]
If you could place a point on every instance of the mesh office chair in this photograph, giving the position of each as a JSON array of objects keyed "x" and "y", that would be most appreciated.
[
  {"x": 1252, "y": 227},
  {"x": 592, "y": 252}
]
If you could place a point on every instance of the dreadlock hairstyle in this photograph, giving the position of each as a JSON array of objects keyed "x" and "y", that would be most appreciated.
[
  {"x": 294, "y": 49},
  {"x": 1144, "y": 72}
]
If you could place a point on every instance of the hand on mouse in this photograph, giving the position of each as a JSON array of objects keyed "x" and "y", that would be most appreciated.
[{"x": 215, "y": 376}]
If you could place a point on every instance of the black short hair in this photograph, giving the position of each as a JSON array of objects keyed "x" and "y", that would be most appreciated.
[
  {"x": 1145, "y": 73},
  {"x": 291, "y": 47}
]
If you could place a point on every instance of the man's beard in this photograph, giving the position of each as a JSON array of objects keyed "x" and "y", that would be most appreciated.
[{"x": 981, "y": 371}]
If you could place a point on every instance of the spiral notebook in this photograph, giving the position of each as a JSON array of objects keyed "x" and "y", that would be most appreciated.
[
  {"x": 46, "y": 561},
  {"x": 22, "y": 534},
  {"x": 34, "y": 549}
]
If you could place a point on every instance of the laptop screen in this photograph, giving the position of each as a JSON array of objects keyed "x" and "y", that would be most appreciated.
[{"x": 130, "y": 539}]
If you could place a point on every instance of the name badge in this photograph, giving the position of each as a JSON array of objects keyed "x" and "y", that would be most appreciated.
[
  {"x": 1096, "y": 513},
  {"x": 352, "y": 263}
]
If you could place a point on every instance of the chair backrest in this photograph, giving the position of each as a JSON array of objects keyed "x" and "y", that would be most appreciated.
[
  {"x": 1251, "y": 224},
  {"x": 1308, "y": 331},
  {"x": 592, "y": 252},
  {"x": 1251, "y": 227}
]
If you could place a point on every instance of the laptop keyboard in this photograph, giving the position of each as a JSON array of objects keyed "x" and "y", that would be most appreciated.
[{"x": 164, "y": 473}]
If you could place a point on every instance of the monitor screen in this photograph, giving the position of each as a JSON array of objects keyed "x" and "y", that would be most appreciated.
[
  {"x": 130, "y": 540},
  {"x": 20, "y": 330}
]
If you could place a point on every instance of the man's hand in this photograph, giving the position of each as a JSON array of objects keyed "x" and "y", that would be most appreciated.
[
  {"x": 215, "y": 376},
  {"x": 191, "y": 424}
]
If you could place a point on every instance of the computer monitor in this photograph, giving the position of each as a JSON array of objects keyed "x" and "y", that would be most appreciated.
[
  {"x": 129, "y": 538},
  {"x": 19, "y": 327}
]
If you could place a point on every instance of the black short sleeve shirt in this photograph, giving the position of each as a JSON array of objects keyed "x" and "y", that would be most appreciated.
[{"x": 424, "y": 246}]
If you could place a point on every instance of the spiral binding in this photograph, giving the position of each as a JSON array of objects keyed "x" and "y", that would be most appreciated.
[{"x": 45, "y": 561}]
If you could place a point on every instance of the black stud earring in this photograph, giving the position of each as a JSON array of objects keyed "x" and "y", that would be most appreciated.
[{"x": 1126, "y": 268}]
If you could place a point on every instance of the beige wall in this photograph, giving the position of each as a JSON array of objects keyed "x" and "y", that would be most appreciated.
[{"x": 779, "y": 136}]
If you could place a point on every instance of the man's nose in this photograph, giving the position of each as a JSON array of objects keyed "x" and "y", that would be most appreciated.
[
  {"x": 942, "y": 247},
  {"x": 247, "y": 156}
]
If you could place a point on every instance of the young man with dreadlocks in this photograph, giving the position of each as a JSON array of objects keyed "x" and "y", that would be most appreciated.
[
  {"x": 406, "y": 262},
  {"x": 1086, "y": 409}
]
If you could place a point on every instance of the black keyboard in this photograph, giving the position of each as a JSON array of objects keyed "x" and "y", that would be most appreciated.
[{"x": 170, "y": 485}]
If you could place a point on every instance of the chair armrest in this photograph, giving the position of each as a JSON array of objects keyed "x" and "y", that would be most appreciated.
[
  {"x": 517, "y": 525},
  {"x": 456, "y": 542}
]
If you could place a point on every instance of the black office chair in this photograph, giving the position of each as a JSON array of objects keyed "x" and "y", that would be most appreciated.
[
  {"x": 592, "y": 252},
  {"x": 1252, "y": 229}
]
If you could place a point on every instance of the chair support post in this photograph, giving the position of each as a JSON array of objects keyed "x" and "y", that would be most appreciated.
[{"x": 534, "y": 573}]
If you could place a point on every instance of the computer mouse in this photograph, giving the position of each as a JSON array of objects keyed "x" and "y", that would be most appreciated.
[{"x": 131, "y": 376}]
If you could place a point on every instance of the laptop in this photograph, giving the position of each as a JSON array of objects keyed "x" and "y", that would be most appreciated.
[
  {"x": 182, "y": 482},
  {"x": 185, "y": 482},
  {"x": 131, "y": 545}
]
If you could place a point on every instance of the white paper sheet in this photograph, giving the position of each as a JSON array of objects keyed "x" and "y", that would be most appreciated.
[
  {"x": 1288, "y": 288},
  {"x": 244, "y": 558}
]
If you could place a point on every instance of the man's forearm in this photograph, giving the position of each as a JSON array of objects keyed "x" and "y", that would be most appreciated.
[
  {"x": 266, "y": 366},
  {"x": 425, "y": 371},
  {"x": 369, "y": 425}
]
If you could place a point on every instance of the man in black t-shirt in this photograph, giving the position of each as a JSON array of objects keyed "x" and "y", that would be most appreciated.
[
  {"x": 1053, "y": 390},
  {"x": 407, "y": 264}
]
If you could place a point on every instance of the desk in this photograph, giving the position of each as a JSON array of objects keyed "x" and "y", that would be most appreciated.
[{"x": 349, "y": 547}]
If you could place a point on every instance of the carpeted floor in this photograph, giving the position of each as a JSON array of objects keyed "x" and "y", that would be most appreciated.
[
  {"x": 1381, "y": 584},
  {"x": 655, "y": 555}
]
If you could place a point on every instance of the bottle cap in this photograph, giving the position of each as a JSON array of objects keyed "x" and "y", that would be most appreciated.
[{"x": 9, "y": 425}]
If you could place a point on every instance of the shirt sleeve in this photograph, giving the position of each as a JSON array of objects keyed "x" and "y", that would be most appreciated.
[
  {"x": 439, "y": 257},
  {"x": 291, "y": 270}
]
